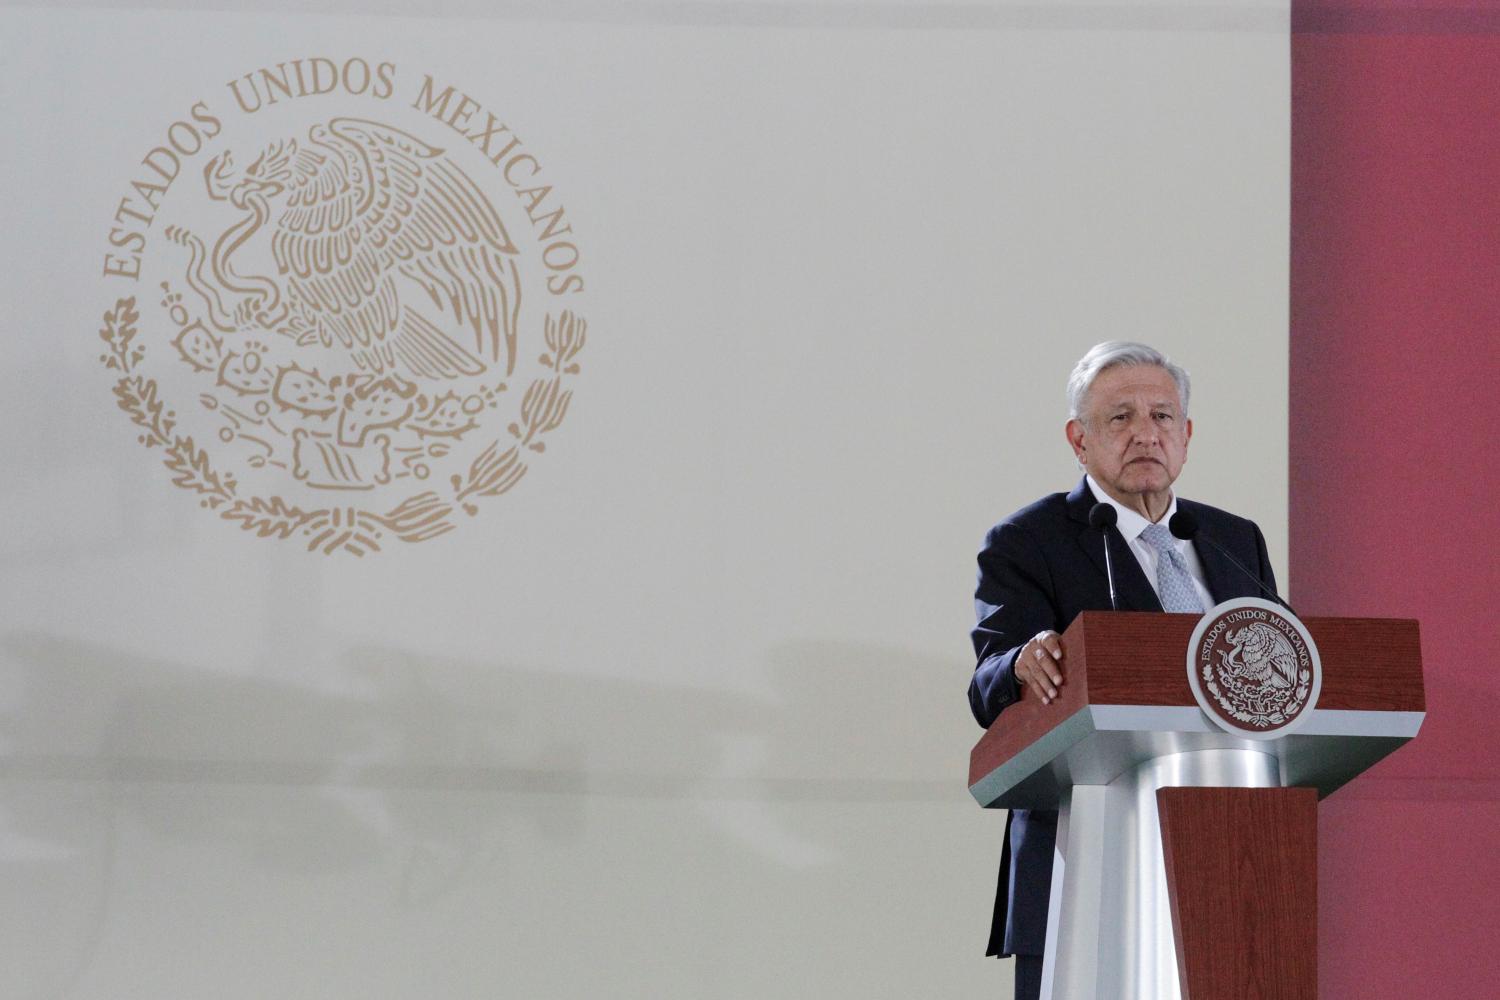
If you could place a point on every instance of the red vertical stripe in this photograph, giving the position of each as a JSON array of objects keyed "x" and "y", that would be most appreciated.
[{"x": 1395, "y": 496}]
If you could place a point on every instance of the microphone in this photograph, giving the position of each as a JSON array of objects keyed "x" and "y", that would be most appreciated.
[
  {"x": 1103, "y": 516},
  {"x": 1185, "y": 526}
]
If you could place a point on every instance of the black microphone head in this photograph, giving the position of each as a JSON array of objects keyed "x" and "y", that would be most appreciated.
[
  {"x": 1103, "y": 515},
  {"x": 1183, "y": 525}
]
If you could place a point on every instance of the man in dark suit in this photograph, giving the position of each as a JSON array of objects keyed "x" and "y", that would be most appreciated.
[{"x": 1129, "y": 429}]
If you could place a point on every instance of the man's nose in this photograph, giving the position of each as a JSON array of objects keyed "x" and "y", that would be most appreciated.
[{"x": 1143, "y": 430}]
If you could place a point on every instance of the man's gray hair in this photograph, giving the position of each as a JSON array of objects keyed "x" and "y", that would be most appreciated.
[{"x": 1112, "y": 353}]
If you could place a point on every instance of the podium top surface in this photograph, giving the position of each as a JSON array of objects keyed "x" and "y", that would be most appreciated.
[{"x": 1127, "y": 699}]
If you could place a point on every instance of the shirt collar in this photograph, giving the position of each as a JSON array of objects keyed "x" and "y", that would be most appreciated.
[{"x": 1130, "y": 523}]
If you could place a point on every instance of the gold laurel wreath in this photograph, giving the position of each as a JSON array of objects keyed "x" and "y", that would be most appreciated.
[{"x": 419, "y": 518}]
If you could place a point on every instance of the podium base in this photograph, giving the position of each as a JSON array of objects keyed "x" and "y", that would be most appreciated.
[{"x": 1109, "y": 924}]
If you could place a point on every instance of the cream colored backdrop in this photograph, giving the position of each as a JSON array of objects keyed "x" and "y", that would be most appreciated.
[{"x": 682, "y": 713}]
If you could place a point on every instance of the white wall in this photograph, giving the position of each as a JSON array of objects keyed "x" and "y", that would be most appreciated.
[{"x": 682, "y": 714}]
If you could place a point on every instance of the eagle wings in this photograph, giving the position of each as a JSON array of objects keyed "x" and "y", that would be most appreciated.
[
  {"x": 367, "y": 202},
  {"x": 1262, "y": 655}
]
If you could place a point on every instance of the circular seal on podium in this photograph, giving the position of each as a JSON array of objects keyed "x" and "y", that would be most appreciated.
[{"x": 1253, "y": 668}]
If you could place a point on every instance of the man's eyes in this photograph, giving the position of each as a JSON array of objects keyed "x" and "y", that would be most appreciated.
[{"x": 1160, "y": 416}]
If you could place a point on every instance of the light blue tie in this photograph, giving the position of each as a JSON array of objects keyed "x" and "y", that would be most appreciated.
[{"x": 1174, "y": 585}]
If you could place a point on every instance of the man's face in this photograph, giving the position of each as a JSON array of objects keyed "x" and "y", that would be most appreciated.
[{"x": 1132, "y": 436}]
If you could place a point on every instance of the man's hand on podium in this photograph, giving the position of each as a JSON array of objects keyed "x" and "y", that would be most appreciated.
[{"x": 1040, "y": 664}]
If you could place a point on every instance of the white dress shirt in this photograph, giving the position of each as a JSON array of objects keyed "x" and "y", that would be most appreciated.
[{"x": 1131, "y": 524}]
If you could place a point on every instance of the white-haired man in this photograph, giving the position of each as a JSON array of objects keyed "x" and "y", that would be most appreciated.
[{"x": 1128, "y": 427}]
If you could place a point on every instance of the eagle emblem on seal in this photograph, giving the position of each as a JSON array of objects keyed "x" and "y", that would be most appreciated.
[
  {"x": 1253, "y": 667},
  {"x": 1259, "y": 655}
]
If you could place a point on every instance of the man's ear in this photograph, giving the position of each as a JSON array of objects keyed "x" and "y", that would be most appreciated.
[
  {"x": 1190, "y": 429},
  {"x": 1074, "y": 432}
]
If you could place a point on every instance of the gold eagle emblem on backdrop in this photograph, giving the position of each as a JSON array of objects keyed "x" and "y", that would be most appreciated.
[
  {"x": 362, "y": 204},
  {"x": 347, "y": 340}
]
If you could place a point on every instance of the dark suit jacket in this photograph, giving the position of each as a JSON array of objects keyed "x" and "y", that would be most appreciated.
[{"x": 1039, "y": 568}]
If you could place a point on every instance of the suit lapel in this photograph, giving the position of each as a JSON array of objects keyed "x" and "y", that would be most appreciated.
[
  {"x": 1222, "y": 579},
  {"x": 1217, "y": 573},
  {"x": 1132, "y": 590}
]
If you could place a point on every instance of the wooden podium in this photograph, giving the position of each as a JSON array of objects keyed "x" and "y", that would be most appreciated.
[{"x": 1186, "y": 862}]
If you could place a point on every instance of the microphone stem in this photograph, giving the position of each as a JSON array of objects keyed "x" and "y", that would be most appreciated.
[
  {"x": 1109, "y": 570},
  {"x": 1241, "y": 567}
]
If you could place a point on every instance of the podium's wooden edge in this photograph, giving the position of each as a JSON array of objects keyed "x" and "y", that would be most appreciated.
[{"x": 1376, "y": 691}]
